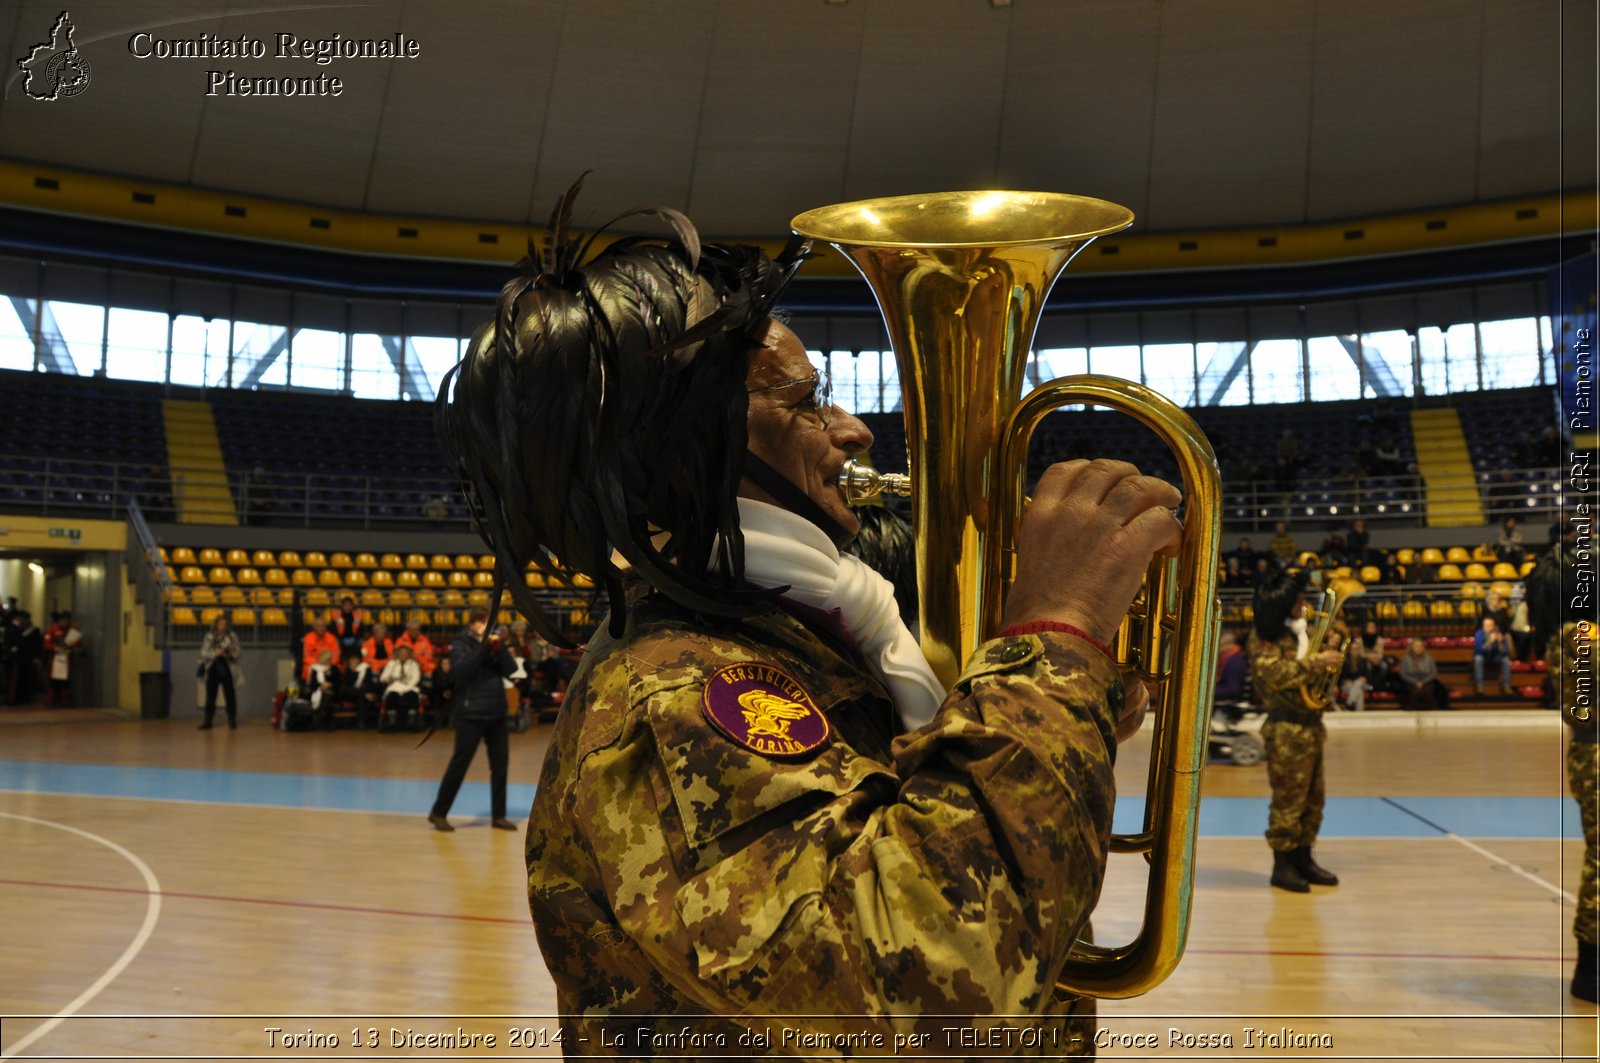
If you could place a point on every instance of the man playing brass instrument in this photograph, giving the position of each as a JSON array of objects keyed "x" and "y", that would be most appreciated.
[
  {"x": 757, "y": 799},
  {"x": 1281, "y": 664}
]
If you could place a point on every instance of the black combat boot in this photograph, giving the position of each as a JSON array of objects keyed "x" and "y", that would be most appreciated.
[
  {"x": 1285, "y": 875},
  {"x": 1586, "y": 976},
  {"x": 1310, "y": 870}
]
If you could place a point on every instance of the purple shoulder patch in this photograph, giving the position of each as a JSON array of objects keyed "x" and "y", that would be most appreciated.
[{"x": 765, "y": 710}]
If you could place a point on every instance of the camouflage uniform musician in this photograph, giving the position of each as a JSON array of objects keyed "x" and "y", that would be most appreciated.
[
  {"x": 759, "y": 801},
  {"x": 1294, "y": 735}
]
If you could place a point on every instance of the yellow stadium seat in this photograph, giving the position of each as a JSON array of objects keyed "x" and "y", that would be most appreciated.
[
  {"x": 244, "y": 617},
  {"x": 318, "y": 597},
  {"x": 1527, "y": 567},
  {"x": 366, "y": 560},
  {"x": 483, "y": 578},
  {"x": 440, "y": 563},
  {"x": 231, "y": 596},
  {"x": 285, "y": 596},
  {"x": 487, "y": 562},
  {"x": 191, "y": 574},
  {"x": 433, "y": 579},
  {"x": 184, "y": 615},
  {"x": 1371, "y": 574},
  {"x": 329, "y": 577},
  {"x": 1432, "y": 555},
  {"x": 1472, "y": 590},
  {"x": 400, "y": 598},
  {"x": 1467, "y": 609},
  {"x": 290, "y": 559},
  {"x": 275, "y": 577},
  {"x": 263, "y": 596},
  {"x": 211, "y": 556},
  {"x": 303, "y": 577},
  {"x": 478, "y": 599},
  {"x": 182, "y": 555},
  {"x": 1501, "y": 588},
  {"x": 219, "y": 575},
  {"x": 1413, "y": 610},
  {"x": 274, "y": 618},
  {"x": 428, "y": 598},
  {"x": 421, "y": 616},
  {"x": 580, "y": 580},
  {"x": 1485, "y": 553},
  {"x": 391, "y": 561},
  {"x": 1458, "y": 555},
  {"x": 356, "y": 577},
  {"x": 1308, "y": 559},
  {"x": 466, "y": 561},
  {"x": 340, "y": 559},
  {"x": 1343, "y": 572},
  {"x": 1506, "y": 570},
  {"x": 382, "y": 578},
  {"x": 416, "y": 562},
  {"x": 533, "y": 579},
  {"x": 248, "y": 577},
  {"x": 162, "y": 550},
  {"x": 408, "y": 578},
  {"x": 1405, "y": 555},
  {"x": 461, "y": 579},
  {"x": 371, "y": 599},
  {"x": 316, "y": 559},
  {"x": 263, "y": 559},
  {"x": 1441, "y": 609},
  {"x": 236, "y": 557},
  {"x": 176, "y": 595},
  {"x": 1387, "y": 611},
  {"x": 203, "y": 595},
  {"x": 1449, "y": 573},
  {"x": 454, "y": 597},
  {"x": 1477, "y": 570},
  {"x": 209, "y": 616}
]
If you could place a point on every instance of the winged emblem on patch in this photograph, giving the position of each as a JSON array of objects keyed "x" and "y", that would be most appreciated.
[{"x": 767, "y": 713}]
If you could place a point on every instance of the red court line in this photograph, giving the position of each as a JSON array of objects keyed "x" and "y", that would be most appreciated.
[{"x": 276, "y": 904}]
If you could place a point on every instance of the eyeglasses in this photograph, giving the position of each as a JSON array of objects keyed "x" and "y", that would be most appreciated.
[{"x": 818, "y": 402}]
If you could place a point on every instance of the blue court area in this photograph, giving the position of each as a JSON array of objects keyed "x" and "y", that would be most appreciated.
[{"x": 1220, "y": 817}]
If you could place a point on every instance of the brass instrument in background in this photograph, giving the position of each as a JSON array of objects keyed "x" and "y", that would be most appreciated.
[
  {"x": 1317, "y": 693},
  {"x": 961, "y": 278}
]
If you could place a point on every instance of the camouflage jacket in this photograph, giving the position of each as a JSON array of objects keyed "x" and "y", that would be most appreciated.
[
  {"x": 673, "y": 870},
  {"x": 1574, "y": 677},
  {"x": 1277, "y": 673}
]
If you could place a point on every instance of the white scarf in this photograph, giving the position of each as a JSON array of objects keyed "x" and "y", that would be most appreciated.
[
  {"x": 1302, "y": 641},
  {"x": 782, "y": 548}
]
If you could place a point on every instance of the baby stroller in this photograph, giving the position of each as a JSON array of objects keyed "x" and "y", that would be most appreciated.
[{"x": 1236, "y": 733}]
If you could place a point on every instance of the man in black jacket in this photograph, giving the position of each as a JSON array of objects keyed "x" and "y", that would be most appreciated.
[{"x": 479, "y": 712}]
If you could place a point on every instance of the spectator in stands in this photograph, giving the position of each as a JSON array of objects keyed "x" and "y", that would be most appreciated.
[
  {"x": 378, "y": 648},
  {"x": 1509, "y": 546},
  {"x": 1491, "y": 648},
  {"x": 1332, "y": 550},
  {"x": 322, "y": 682},
  {"x": 1246, "y": 555},
  {"x": 441, "y": 688},
  {"x": 1288, "y": 454},
  {"x": 1388, "y": 458},
  {"x": 314, "y": 644},
  {"x": 1495, "y": 608},
  {"x": 347, "y": 624},
  {"x": 480, "y": 666},
  {"x": 1357, "y": 544},
  {"x": 420, "y": 645},
  {"x": 1233, "y": 575},
  {"x": 1419, "y": 679},
  {"x": 402, "y": 689},
  {"x": 1282, "y": 544},
  {"x": 1367, "y": 458},
  {"x": 1264, "y": 572},
  {"x": 1547, "y": 448},
  {"x": 1389, "y": 568},
  {"x": 1369, "y": 657},
  {"x": 219, "y": 668},
  {"x": 361, "y": 690},
  {"x": 1233, "y": 671},
  {"x": 435, "y": 509},
  {"x": 1352, "y": 686}
]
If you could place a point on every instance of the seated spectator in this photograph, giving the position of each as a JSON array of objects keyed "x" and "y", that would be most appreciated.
[
  {"x": 421, "y": 646},
  {"x": 1357, "y": 544},
  {"x": 1495, "y": 608},
  {"x": 1419, "y": 679},
  {"x": 314, "y": 644},
  {"x": 1233, "y": 671},
  {"x": 1263, "y": 571},
  {"x": 1491, "y": 648},
  {"x": 1246, "y": 555},
  {"x": 1371, "y": 662},
  {"x": 360, "y": 690},
  {"x": 1390, "y": 569},
  {"x": 1332, "y": 550},
  {"x": 347, "y": 624},
  {"x": 436, "y": 509},
  {"x": 1283, "y": 544},
  {"x": 1367, "y": 457},
  {"x": 441, "y": 687},
  {"x": 1388, "y": 458},
  {"x": 377, "y": 650},
  {"x": 1509, "y": 545},
  {"x": 322, "y": 682},
  {"x": 1352, "y": 683},
  {"x": 1232, "y": 574},
  {"x": 402, "y": 690}
]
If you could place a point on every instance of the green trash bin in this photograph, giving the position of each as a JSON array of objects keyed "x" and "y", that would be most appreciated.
[{"x": 155, "y": 695}]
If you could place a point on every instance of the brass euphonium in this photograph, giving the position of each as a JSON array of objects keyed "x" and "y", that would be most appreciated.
[
  {"x": 1318, "y": 693},
  {"x": 961, "y": 278}
]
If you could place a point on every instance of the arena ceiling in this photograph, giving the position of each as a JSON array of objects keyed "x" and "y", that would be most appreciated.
[{"x": 1195, "y": 113}]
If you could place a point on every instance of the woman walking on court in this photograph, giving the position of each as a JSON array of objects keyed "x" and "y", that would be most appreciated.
[{"x": 219, "y": 668}]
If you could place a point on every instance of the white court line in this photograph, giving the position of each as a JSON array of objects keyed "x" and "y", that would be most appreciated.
[
  {"x": 1514, "y": 868},
  {"x": 151, "y": 914}
]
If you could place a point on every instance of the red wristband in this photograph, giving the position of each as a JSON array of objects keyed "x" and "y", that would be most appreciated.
[{"x": 1035, "y": 627}]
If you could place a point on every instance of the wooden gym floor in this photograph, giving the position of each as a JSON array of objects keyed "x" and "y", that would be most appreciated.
[{"x": 174, "y": 894}]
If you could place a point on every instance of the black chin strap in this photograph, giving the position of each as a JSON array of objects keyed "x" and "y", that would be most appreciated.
[{"x": 796, "y": 501}]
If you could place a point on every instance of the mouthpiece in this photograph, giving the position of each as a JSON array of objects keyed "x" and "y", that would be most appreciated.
[{"x": 861, "y": 483}]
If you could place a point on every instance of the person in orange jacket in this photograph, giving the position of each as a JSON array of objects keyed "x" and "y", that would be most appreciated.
[
  {"x": 421, "y": 645},
  {"x": 378, "y": 648},
  {"x": 318, "y": 639}
]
